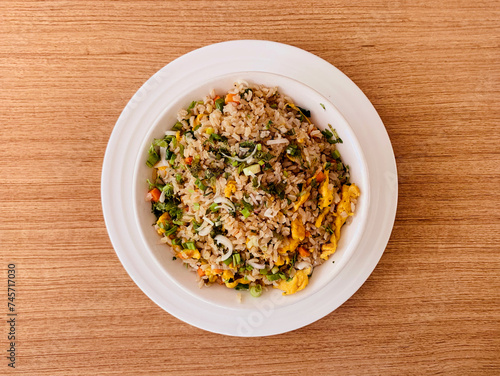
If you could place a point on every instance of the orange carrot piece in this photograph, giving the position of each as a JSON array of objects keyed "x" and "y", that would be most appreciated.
[
  {"x": 230, "y": 98},
  {"x": 188, "y": 160},
  {"x": 304, "y": 252},
  {"x": 155, "y": 194},
  {"x": 320, "y": 176},
  {"x": 201, "y": 273},
  {"x": 308, "y": 234}
]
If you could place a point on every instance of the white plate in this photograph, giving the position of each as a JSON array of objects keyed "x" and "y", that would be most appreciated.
[{"x": 266, "y": 315}]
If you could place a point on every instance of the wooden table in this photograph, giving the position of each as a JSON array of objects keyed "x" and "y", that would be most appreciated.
[{"x": 431, "y": 69}]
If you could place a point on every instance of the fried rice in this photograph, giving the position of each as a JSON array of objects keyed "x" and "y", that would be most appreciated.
[{"x": 249, "y": 193}]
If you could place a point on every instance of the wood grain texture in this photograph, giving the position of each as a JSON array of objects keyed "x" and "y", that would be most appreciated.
[{"x": 431, "y": 68}]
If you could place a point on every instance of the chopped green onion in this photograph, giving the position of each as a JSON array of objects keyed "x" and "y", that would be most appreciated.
[
  {"x": 246, "y": 213},
  {"x": 228, "y": 261},
  {"x": 189, "y": 245},
  {"x": 219, "y": 104},
  {"x": 236, "y": 259},
  {"x": 178, "y": 222},
  {"x": 241, "y": 286},
  {"x": 178, "y": 177},
  {"x": 285, "y": 173},
  {"x": 273, "y": 277},
  {"x": 262, "y": 163},
  {"x": 196, "y": 206},
  {"x": 153, "y": 157},
  {"x": 251, "y": 170},
  {"x": 191, "y": 106},
  {"x": 177, "y": 126},
  {"x": 197, "y": 127},
  {"x": 200, "y": 185},
  {"x": 172, "y": 159},
  {"x": 234, "y": 163},
  {"x": 263, "y": 271},
  {"x": 256, "y": 291},
  {"x": 176, "y": 241},
  {"x": 240, "y": 168},
  {"x": 275, "y": 269},
  {"x": 249, "y": 268},
  {"x": 336, "y": 154},
  {"x": 274, "y": 106},
  {"x": 171, "y": 231},
  {"x": 213, "y": 207},
  {"x": 259, "y": 147}
]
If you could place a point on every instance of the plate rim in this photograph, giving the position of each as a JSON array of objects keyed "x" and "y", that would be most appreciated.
[{"x": 249, "y": 45}]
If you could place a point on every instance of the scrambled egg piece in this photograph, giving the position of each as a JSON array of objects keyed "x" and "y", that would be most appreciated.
[
  {"x": 329, "y": 248},
  {"x": 232, "y": 285},
  {"x": 298, "y": 282},
  {"x": 298, "y": 229},
  {"x": 279, "y": 261},
  {"x": 189, "y": 253},
  {"x": 230, "y": 188},
  {"x": 344, "y": 206},
  {"x": 252, "y": 242},
  {"x": 320, "y": 218},
  {"x": 212, "y": 274},
  {"x": 326, "y": 194},
  {"x": 290, "y": 246},
  {"x": 178, "y": 136},
  {"x": 163, "y": 219},
  {"x": 197, "y": 121},
  {"x": 302, "y": 199},
  {"x": 227, "y": 275}
]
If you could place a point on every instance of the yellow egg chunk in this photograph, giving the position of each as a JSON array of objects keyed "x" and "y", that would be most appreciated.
[
  {"x": 189, "y": 253},
  {"x": 230, "y": 188},
  {"x": 344, "y": 206},
  {"x": 320, "y": 218},
  {"x": 162, "y": 220},
  {"x": 302, "y": 199},
  {"x": 290, "y": 245},
  {"x": 227, "y": 275},
  {"x": 298, "y": 282},
  {"x": 329, "y": 248},
  {"x": 232, "y": 285},
  {"x": 326, "y": 194},
  {"x": 298, "y": 229}
]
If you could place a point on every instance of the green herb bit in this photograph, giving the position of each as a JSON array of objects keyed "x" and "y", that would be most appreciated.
[
  {"x": 219, "y": 104},
  {"x": 168, "y": 189},
  {"x": 246, "y": 213},
  {"x": 293, "y": 150},
  {"x": 240, "y": 168},
  {"x": 273, "y": 106},
  {"x": 241, "y": 286},
  {"x": 322, "y": 105},
  {"x": 178, "y": 177},
  {"x": 189, "y": 245},
  {"x": 273, "y": 277},
  {"x": 305, "y": 112},
  {"x": 255, "y": 182},
  {"x": 200, "y": 184},
  {"x": 177, "y": 126},
  {"x": 153, "y": 157},
  {"x": 193, "y": 103},
  {"x": 256, "y": 291}
]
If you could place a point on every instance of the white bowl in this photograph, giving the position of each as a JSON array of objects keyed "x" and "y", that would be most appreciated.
[{"x": 351, "y": 153}]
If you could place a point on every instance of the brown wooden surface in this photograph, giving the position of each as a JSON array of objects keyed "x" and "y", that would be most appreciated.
[{"x": 431, "y": 68}]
